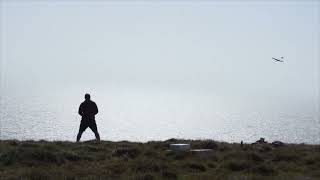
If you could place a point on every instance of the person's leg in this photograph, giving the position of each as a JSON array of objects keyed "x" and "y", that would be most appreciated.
[
  {"x": 82, "y": 128},
  {"x": 93, "y": 127},
  {"x": 97, "y": 135},
  {"x": 79, "y": 135}
]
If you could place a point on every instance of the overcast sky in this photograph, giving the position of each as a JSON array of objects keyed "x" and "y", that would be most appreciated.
[{"x": 222, "y": 48}]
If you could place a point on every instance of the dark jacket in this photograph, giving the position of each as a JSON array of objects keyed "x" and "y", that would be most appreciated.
[{"x": 88, "y": 109}]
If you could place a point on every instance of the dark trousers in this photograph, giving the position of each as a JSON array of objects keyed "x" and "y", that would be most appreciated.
[{"x": 85, "y": 123}]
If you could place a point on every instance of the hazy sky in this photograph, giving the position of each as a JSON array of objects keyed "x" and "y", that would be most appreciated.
[{"x": 221, "y": 48}]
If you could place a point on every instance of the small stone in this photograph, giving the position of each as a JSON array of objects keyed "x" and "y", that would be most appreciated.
[
  {"x": 201, "y": 152},
  {"x": 277, "y": 143},
  {"x": 180, "y": 147}
]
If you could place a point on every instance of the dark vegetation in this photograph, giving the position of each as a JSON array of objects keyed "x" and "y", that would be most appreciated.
[{"x": 152, "y": 160}]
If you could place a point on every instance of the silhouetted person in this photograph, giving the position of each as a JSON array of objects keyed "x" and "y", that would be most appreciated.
[{"x": 87, "y": 110}]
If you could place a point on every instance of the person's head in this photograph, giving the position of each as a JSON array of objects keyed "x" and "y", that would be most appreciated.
[{"x": 87, "y": 96}]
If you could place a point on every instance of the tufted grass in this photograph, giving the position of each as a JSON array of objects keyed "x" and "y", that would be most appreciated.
[{"x": 151, "y": 160}]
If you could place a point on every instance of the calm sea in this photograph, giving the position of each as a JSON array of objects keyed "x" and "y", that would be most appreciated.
[{"x": 144, "y": 115}]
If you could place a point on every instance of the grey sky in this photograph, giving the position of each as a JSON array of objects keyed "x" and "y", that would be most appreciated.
[{"x": 221, "y": 48}]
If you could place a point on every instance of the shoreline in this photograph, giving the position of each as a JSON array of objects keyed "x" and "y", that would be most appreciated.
[{"x": 132, "y": 141}]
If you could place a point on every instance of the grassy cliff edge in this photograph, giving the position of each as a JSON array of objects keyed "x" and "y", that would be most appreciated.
[{"x": 152, "y": 160}]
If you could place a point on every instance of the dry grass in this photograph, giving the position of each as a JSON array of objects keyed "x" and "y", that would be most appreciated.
[{"x": 130, "y": 160}]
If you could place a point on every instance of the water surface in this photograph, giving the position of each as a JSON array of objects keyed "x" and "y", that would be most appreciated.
[{"x": 150, "y": 114}]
